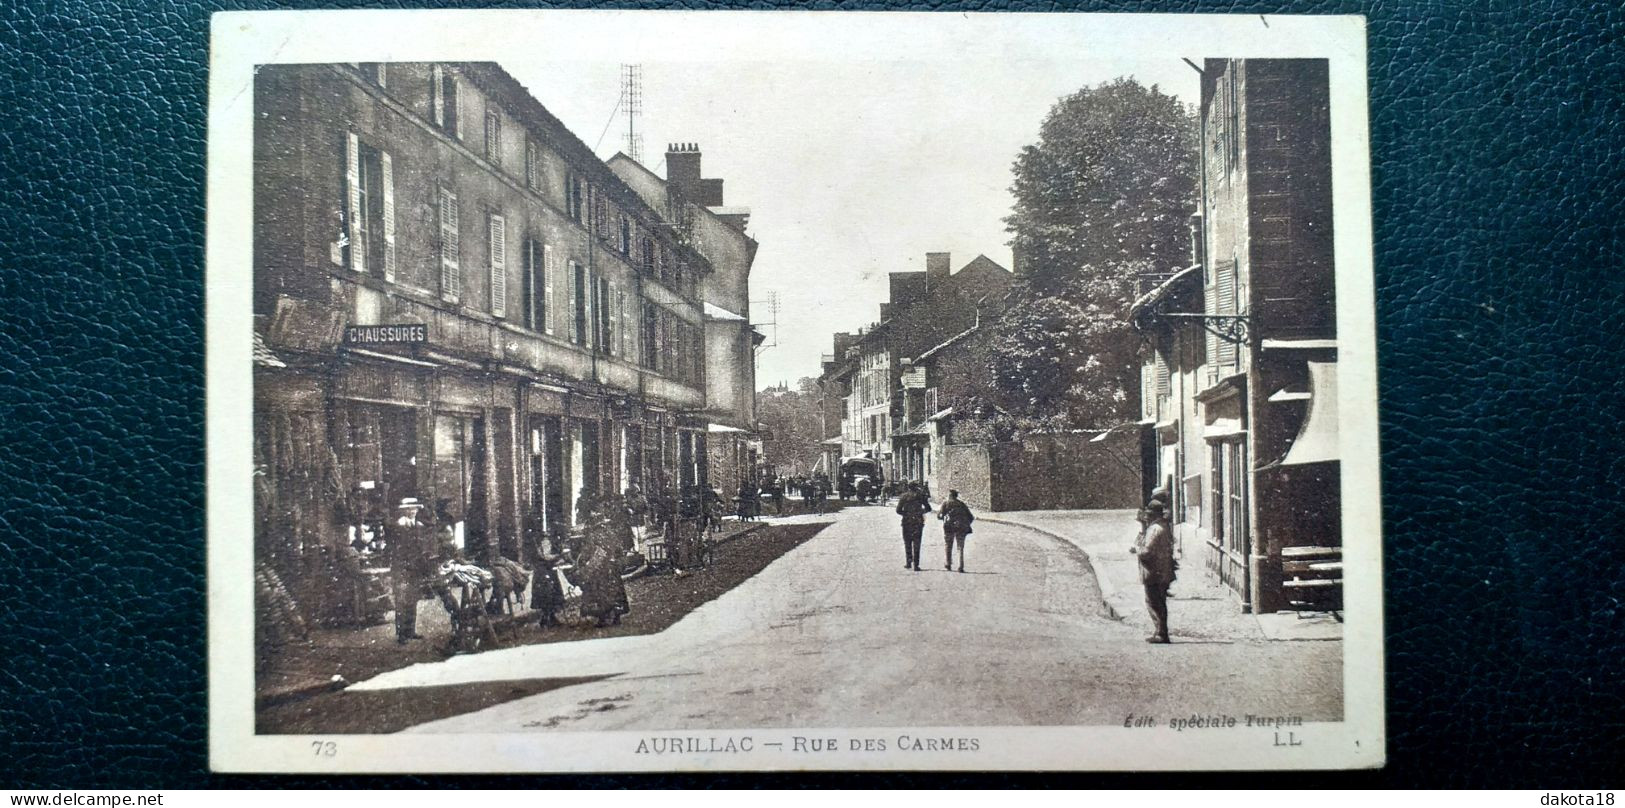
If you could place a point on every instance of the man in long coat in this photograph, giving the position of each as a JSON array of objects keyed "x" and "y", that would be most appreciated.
[
  {"x": 1155, "y": 549},
  {"x": 956, "y": 518},
  {"x": 411, "y": 562},
  {"x": 913, "y": 506}
]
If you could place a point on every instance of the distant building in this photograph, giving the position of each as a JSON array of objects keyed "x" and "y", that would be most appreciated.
[
  {"x": 1240, "y": 383},
  {"x": 924, "y": 309}
]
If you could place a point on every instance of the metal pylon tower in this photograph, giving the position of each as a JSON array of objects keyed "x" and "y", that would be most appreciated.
[
  {"x": 771, "y": 303},
  {"x": 632, "y": 102}
]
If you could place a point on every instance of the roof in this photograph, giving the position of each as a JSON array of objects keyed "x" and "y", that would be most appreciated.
[
  {"x": 1163, "y": 289},
  {"x": 715, "y": 212}
]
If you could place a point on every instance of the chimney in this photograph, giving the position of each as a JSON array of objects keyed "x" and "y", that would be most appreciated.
[
  {"x": 936, "y": 269},
  {"x": 683, "y": 169}
]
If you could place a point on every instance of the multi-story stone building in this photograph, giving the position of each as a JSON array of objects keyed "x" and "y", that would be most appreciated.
[
  {"x": 471, "y": 309},
  {"x": 1240, "y": 385},
  {"x": 693, "y": 204}
]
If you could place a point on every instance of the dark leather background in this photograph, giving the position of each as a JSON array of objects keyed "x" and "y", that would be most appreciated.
[{"x": 1496, "y": 149}]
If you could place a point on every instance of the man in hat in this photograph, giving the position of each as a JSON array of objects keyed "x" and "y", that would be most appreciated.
[
  {"x": 956, "y": 518},
  {"x": 1155, "y": 549},
  {"x": 913, "y": 506},
  {"x": 411, "y": 561}
]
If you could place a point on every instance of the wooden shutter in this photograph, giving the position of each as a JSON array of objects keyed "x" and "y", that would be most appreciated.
[
  {"x": 389, "y": 211},
  {"x": 437, "y": 94},
  {"x": 574, "y": 319},
  {"x": 1226, "y": 300},
  {"x": 499, "y": 266},
  {"x": 550, "y": 307},
  {"x": 451, "y": 279},
  {"x": 449, "y": 97},
  {"x": 352, "y": 177}
]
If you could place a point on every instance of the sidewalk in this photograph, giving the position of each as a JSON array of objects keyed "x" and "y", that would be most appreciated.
[
  {"x": 338, "y": 657},
  {"x": 1199, "y": 607}
]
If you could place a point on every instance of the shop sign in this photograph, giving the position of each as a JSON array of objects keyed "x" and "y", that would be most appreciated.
[{"x": 405, "y": 333}]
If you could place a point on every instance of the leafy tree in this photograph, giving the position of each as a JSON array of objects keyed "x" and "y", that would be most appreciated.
[{"x": 1103, "y": 197}]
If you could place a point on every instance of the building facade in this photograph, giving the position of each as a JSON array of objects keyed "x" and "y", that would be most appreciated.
[
  {"x": 469, "y": 307},
  {"x": 1239, "y": 383},
  {"x": 693, "y": 205},
  {"x": 924, "y": 309}
]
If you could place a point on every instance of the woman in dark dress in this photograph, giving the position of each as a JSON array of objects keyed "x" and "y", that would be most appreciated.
[{"x": 546, "y": 596}]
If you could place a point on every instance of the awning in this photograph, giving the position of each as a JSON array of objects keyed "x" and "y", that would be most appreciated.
[
  {"x": 722, "y": 428},
  {"x": 1223, "y": 428},
  {"x": 941, "y": 415},
  {"x": 835, "y": 441},
  {"x": 715, "y": 312},
  {"x": 1317, "y": 440},
  {"x": 263, "y": 356}
]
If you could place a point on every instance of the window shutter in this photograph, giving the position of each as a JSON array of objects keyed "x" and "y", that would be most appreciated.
[
  {"x": 550, "y": 307},
  {"x": 389, "y": 211},
  {"x": 574, "y": 327},
  {"x": 1162, "y": 375},
  {"x": 352, "y": 176},
  {"x": 1225, "y": 294},
  {"x": 437, "y": 94},
  {"x": 451, "y": 279},
  {"x": 499, "y": 266},
  {"x": 533, "y": 169},
  {"x": 449, "y": 95}
]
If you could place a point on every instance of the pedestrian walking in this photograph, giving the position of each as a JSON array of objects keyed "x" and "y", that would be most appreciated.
[
  {"x": 1155, "y": 549},
  {"x": 956, "y": 518},
  {"x": 913, "y": 506},
  {"x": 411, "y": 562}
]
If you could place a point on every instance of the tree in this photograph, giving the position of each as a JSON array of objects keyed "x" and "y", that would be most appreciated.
[{"x": 1103, "y": 197}]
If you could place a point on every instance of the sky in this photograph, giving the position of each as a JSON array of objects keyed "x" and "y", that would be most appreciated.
[{"x": 851, "y": 169}]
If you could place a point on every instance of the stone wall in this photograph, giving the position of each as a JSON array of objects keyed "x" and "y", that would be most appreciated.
[{"x": 1047, "y": 472}]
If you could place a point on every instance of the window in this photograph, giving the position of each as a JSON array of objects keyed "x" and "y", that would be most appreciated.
[
  {"x": 493, "y": 136},
  {"x": 370, "y": 216},
  {"x": 1232, "y": 79},
  {"x": 623, "y": 325},
  {"x": 533, "y": 165},
  {"x": 535, "y": 284},
  {"x": 443, "y": 99},
  {"x": 651, "y": 347},
  {"x": 578, "y": 301},
  {"x": 647, "y": 251},
  {"x": 600, "y": 310},
  {"x": 451, "y": 279},
  {"x": 498, "y": 231},
  {"x": 574, "y": 193},
  {"x": 626, "y": 235}
]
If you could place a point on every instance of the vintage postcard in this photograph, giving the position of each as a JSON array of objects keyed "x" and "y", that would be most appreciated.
[{"x": 680, "y": 391}]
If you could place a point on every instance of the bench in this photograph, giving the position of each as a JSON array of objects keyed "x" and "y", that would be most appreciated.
[{"x": 1312, "y": 579}]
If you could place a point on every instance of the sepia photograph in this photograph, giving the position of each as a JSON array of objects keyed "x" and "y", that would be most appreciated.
[{"x": 644, "y": 390}]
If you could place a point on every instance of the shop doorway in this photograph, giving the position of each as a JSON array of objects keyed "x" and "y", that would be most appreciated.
[
  {"x": 459, "y": 482},
  {"x": 545, "y": 508}
]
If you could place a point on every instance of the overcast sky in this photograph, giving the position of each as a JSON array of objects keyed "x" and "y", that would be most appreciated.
[{"x": 851, "y": 169}]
